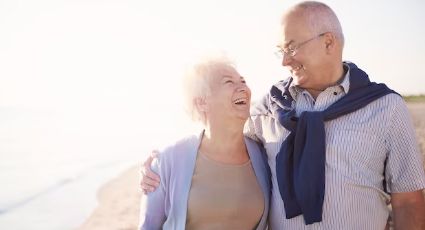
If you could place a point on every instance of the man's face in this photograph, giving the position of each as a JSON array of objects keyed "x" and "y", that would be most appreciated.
[{"x": 305, "y": 53}]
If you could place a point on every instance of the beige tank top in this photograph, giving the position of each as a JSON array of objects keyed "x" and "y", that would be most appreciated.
[{"x": 224, "y": 196}]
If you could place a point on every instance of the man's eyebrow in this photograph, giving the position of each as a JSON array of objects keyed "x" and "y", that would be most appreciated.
[{"x": 286, "y": 44}]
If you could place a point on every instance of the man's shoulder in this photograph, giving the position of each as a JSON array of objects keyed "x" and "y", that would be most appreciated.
[
  {"x": 390, "y": 101},
  {"x": 380, "y": 111},
  {"x": 393, "y": 98},
  {"x": 262, "y": 106}
]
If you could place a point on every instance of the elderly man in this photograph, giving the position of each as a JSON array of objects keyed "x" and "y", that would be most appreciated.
[{"x": 339, "y": 147}]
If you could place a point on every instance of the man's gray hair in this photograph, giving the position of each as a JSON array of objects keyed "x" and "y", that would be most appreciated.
[
  {"x": 321, "y": 18},
  {"x": 197, "y": 82}
]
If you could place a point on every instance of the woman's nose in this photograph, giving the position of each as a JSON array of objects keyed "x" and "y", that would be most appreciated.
[{"x": 242, "y": 87}]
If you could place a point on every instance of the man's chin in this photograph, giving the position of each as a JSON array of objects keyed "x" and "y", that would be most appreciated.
[{"x": 297, "y": 80}]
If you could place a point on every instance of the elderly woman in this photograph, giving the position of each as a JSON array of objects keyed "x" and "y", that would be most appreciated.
[{"x": 217, "y": 179}]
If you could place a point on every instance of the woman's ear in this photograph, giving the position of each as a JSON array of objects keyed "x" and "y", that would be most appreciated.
[{"x": 201, "y": 104}]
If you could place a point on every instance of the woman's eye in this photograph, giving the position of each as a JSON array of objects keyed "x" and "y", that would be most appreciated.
[{"x": 228, "y": 81}]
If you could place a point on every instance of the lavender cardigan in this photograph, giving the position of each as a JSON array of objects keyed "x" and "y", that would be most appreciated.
[{"x": 166, "y": 207}]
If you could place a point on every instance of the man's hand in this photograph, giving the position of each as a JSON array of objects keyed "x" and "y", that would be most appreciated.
[
  {"x": 409, "y": 210},
  {"x": 149, "y": 180}
]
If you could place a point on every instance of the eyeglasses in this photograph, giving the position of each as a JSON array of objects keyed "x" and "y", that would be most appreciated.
[{"x": 292, "y": 51}]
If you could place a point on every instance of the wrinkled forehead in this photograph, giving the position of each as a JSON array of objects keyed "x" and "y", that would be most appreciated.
[
  {"x": 221, "y": 72},
  {"x": 293, "y": 27}
]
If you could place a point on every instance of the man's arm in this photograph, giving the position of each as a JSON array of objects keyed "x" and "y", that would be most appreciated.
[
  {"x": 149, "y": 181},
  {"x": 404, "y": 172},
  {"x": 408, "y": 210},
  {"x": 152, "y": 207}
]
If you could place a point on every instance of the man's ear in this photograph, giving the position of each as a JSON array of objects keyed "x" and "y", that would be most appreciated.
[{"x": 330, "y": 41}]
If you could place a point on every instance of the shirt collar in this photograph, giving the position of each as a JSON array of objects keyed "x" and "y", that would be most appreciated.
[{"x": 345, "y": 83}]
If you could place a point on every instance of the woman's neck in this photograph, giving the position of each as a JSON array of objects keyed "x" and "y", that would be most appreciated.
[{"x": 224, "y": 144}]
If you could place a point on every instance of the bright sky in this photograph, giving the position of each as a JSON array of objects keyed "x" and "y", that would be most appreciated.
[{"x": 122, "y": 59}]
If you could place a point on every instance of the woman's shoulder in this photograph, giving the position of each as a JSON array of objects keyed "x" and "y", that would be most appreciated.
[
  {"x": 257, "y": 153},
  {"x": 179, "y": 147},
  {"x": 175, "y": 155},
  {"x": 254, "y": 144}
]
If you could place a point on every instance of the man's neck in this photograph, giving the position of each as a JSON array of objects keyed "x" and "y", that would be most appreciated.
[{"x": 335, "y": 77}]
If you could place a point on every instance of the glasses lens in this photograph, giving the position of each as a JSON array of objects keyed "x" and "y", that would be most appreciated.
[{"x": 279, "y": 54}]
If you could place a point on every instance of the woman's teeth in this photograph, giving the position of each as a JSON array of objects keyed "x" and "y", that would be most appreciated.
[{"x": 240, "y": 101}]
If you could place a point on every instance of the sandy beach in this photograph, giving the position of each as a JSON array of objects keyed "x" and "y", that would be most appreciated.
[
  {"x": 119, "y": 202},
  {"x": 119, "y": 199}
]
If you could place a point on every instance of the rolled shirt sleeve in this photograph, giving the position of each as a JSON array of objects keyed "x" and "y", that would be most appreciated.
[{"x": 404, "y": 170}]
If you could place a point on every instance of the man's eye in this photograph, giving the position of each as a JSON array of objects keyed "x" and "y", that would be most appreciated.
[{"x": 228, "y": 81}]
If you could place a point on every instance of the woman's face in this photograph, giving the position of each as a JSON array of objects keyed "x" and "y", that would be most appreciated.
[{"x": 229, "y": 96}]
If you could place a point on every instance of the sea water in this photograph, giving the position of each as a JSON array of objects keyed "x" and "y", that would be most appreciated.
[{"x": 53, "y": 162}]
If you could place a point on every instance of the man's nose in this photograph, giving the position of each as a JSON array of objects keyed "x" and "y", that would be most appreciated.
[{"x": 286, "y": 59}]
